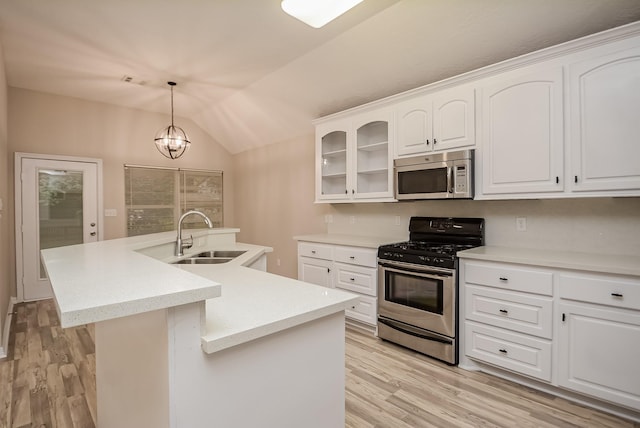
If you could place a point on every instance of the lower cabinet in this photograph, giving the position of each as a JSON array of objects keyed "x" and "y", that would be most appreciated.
[
  {"x": 599, "y": 337},
  {"x": 508, "y": 317},
  {"x": 573, "y": 330},
  {"x": 349, "y": 268}
]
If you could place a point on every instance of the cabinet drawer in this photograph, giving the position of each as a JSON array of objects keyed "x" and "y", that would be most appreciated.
[
  {"x": 318, "y": 251},
  {"x": 366, "y": 310},
  {"x": 509, "y": 277},
  {"x": 356, "y": 278},
  {"x": 512, "y": 351},
  {"x": 601, "y": 289},
  {"x": 357, "y": 256},
  {"x": 523, "y": 313}
]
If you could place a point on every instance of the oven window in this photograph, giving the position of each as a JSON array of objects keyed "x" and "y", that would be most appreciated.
[
  {"x": 414, "y": 291},
  {"x": 422, "y": 181}
]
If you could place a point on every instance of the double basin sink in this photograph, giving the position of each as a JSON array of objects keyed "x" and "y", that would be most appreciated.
[{"x": 210, "y": 257}]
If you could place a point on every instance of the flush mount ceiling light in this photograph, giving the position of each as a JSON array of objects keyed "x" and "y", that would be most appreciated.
[
  {"x": 316, "y": 13},
  {"x": 172, "y": 141}
]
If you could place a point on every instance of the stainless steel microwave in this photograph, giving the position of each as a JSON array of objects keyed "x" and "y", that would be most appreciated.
[{"x": 435, "y": 176}]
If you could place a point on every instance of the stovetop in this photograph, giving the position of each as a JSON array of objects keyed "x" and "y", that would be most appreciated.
[{"x": 435, "y": 241}]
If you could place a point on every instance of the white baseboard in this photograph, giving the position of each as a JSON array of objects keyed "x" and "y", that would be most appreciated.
[{"x": 7, "y": 327}]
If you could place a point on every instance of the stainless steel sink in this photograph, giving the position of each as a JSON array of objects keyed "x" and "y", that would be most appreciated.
[
  {"x": 203, "y": 260},
  {"x": 213, "y": 257},
  {"x": 220, "y": 253}
]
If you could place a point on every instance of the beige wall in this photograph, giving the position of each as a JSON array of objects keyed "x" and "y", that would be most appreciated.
[
  {"x": 51, "y": 124},
  {"x": 593, "y": 225},
  {"x": 274, "y": 199},
  {"x": 5, "y": 230}
]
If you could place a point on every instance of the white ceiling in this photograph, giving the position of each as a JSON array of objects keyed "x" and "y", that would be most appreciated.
[{"x": 251, "y": 75}]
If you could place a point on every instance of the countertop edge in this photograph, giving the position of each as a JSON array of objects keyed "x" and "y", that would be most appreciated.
[
  {"x": 211, "y": 345},
  {"x": 617, "y": 264},
  {"x": 348, "y": 240}
]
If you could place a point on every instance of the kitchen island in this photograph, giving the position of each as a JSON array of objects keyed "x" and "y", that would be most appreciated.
[{"x": 202, "y": 345}]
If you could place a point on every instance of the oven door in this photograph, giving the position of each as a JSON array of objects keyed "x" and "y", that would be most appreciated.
[{"x": 421, "y": 296}]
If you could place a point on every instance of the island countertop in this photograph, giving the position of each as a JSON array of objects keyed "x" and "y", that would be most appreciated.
[{"x": 121, "y": 277}]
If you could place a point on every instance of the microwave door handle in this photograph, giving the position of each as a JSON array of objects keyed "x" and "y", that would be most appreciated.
[{"x": 450, "y": 179}]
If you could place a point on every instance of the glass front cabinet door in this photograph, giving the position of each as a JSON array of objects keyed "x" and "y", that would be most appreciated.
[{"x": 354, "y": 159}]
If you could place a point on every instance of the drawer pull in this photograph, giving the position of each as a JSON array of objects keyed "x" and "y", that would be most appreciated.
[
  {"x": 313, "y": 251},
  {"x": 502, "y": 278},
  {"x": 503, "y": 351},
  {"x": 616, "y": 295},
  {"x": 504, "y": 311},
  {"x": 352, "y": 257},
  {"x": 352, "y": 279}
]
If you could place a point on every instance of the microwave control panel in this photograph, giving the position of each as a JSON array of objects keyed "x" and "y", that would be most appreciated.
[{"x": 461, "y": 179}]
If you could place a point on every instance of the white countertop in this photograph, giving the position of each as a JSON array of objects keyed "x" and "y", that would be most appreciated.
[
  {"x": 111, "y": 279},
  {"x": 604, "y": 263},
  {"x": 350, "y": 240},
  {"x": 255, "y": 303}
]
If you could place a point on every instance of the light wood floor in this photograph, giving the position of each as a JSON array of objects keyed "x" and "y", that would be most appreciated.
[{"x": 48, "y": 380}]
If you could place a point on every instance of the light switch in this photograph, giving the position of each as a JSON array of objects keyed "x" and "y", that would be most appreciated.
[{"x": 110, "y": 212}]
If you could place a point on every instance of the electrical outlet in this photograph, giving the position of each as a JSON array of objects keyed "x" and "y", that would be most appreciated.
[
  {"x": 110, "y": 212},
  {"x": 397, "y": 220},
  {"x": 521, "y": 224},
  {"x": 328, "y": 218},
  {"x": 352, "y": 219}
]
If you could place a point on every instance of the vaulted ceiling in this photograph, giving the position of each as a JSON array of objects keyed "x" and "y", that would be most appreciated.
[{"x": 250, "y": 75}]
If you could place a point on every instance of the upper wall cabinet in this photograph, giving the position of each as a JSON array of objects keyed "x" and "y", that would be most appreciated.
[
  {"x": 522, "y": 133},
  {"x": 354, "y": 158},
  {"x": 558, "y": 123},
  {"x": 440, "y": 121},
  {"x": 605, "y": 121}
]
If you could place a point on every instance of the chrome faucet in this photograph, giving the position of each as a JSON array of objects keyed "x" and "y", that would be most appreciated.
[{"x": 181, "y": 244}]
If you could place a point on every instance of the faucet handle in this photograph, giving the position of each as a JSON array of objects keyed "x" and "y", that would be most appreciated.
[{"x": 187, "y": 242}]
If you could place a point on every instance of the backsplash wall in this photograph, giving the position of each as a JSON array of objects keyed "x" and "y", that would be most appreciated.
[{"x": 593, "y": 225}]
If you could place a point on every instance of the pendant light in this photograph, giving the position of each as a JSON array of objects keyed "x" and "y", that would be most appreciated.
[{"x": 172, "y": 141}]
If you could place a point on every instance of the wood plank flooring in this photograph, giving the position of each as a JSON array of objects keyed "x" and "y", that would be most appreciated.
[
  {"x": 48, "y": 380},
  {"x": 48, "y": 377}
]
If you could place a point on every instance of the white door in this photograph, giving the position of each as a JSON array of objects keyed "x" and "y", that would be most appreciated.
[{"x": 59, "y": 206}]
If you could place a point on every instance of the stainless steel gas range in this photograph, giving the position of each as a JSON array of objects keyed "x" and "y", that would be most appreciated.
[{"x": 418, "y": 285}]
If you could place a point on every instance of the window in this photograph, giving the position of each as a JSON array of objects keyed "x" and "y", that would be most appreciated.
[{"x": 155, "y": 198}]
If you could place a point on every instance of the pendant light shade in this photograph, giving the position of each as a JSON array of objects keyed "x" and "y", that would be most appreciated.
[{"x": 171, "y": 140}]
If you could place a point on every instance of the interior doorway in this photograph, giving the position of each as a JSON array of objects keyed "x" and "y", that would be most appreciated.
[{"x": 58, "y": 203}]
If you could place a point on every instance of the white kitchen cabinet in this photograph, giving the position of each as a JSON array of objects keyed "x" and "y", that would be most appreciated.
[
  {"x": 599, "y": 336},
  {"x": 315, "y": 271},
  {"x": 604, "y": 93},
  {"x": 521, "y": 143},
  {"x": 354, "y": 161},
  {"x": 315, "y": 263},
  {"x": 332, "y": 160},
  {"x": 440, "y": 121},
  {"x": 349, "y": 268},
  {"x": 508, "y": 316},
  {"x": 568, "y": 322}
]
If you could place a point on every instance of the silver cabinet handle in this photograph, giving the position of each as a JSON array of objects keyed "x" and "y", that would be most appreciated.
[
  {"x": 92, "y": 234},
  {"x": 504, "y": 311}
]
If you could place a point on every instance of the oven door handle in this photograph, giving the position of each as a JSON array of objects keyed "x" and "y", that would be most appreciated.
[
  {"x": 423, "y": 272},
  {"x": 413, "y": 331}
]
